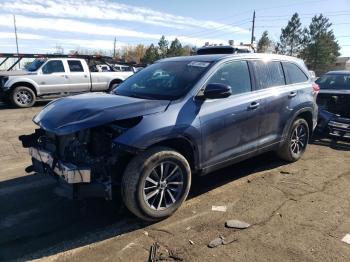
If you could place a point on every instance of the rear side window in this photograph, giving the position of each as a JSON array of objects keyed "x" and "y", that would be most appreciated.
[
  {"x": 75, "y": 66},
  {"x": 269, "y": 74},
  {"x": 293, "y": 73},
  {"x": 235, "y": 74},
  {"x": 53, "y": 66}
]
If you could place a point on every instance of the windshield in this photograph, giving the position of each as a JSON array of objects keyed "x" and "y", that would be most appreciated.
[
  {"x": 164, "y": 80},
  {"x": 334, "y": 82},
  {"x": 35, "y": 65}
]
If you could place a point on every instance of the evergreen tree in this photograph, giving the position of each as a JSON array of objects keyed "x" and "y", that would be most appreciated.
[
  {"x": 151, "y": 55},
  {"x": 264, "y": 44},
  {"x": 321, "y": 47},
  {"x": 163, "y": 47},
  {"x": 291, "y": 39},
  {"x": 175, "y": 48}
]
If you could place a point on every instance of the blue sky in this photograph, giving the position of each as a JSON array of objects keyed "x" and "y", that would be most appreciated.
[{"x": 85, "y": 24}]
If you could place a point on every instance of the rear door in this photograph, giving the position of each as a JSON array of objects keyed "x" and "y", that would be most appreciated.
[
  {"x": 230, "y": 125},
  {"x": 53, "y": 78},
  {"x": 78, "y": 77},
  {"x": 279, "y": 100}
]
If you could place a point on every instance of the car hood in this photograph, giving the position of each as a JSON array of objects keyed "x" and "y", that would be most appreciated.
[
  {"x": 16, "y": 73},
  {"x": 71, "y": 114}
]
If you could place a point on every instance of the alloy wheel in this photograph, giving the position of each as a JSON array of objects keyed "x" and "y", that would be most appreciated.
[
  {"x": 299, "y": 139},
  {"x": 163, "y": 186}
]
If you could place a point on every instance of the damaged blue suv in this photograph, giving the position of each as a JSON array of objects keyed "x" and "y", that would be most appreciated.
[{"x": 177, "y": 118}]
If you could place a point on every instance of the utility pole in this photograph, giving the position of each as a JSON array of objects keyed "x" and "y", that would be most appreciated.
[
  {"x": 115, "y": 42},
  {"x": 253, "y": 27},
  {"x": 14, "y": 24}
]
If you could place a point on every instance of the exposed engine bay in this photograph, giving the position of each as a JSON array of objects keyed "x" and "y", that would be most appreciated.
[
  {"x": 88, "y": 157},
  {"x": 334, "y": 114},
  {"x": 338, "y": 104}
]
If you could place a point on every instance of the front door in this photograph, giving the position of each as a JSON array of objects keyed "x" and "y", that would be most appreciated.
[
  {"x": 54, "y": 78},
  {"x": 230, "y": 125}
]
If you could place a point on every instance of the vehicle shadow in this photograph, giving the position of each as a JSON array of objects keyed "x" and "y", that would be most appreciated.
[
  {"x": 336, "y": 144},
  {"x": 35, "y": 222}
]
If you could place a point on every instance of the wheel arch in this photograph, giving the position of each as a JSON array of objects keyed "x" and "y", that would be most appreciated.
[
  {"x": 305, "y": 113},
  {"x": 113, "y": 82},
  {"x": 26, "y": 84},
  {"x": 184, "y": 146}
]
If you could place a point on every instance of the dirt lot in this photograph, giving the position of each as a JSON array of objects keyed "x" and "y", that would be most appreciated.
[{"x": 298, "y": 212}]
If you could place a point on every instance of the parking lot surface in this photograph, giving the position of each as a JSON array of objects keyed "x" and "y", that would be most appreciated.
[{"x": 297, "y": 212}]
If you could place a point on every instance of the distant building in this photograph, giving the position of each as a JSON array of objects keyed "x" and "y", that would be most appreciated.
[{"x": 342, "y": 63}]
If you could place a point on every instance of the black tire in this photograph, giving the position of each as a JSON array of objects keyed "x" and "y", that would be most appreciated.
[
  {"x": 22, "y": 96},
  {"x": 113, "y": 85},
  {"x": 135, "y": 183},
  {"x": 289, "y": 149}
]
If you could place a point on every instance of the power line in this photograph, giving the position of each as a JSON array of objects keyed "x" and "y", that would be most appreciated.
[
  {"x": 283, "y": 19},
  {"x": 275, "y": 26},
  {"x": 325, "y": 13},
  {"x": 215, "y": 29}
]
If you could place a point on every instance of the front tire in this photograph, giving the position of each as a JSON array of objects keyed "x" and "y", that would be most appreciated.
[
  {"x": 156, "y": 183},
  {"x": 22, "y": 96},
  {"x": 295, "y": 144}
]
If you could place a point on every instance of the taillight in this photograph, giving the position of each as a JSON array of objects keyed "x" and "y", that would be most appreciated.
[{"x": 315, "y": 88}]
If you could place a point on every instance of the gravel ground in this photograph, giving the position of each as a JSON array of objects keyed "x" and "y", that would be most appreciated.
[{"x": 297, "y": 212}]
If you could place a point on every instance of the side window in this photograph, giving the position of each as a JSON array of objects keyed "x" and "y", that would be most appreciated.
[
  {"x": 293, "y": 73},
  {"x": 235, "y": 74},
  {"x": 53, "y": 66},
  {"x": 269, "y": 74},
  {"x": 75, "y": 66}
]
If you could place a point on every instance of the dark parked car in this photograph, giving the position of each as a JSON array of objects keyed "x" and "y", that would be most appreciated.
[
  {"x": 334, "y": 104},
  {"x": 178, "y": 118}
]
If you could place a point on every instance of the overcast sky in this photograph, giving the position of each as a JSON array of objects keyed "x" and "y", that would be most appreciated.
[{"x": 42, "y": 24}]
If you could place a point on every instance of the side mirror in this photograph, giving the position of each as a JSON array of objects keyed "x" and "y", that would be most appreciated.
[{"x": 216, "y": 90}]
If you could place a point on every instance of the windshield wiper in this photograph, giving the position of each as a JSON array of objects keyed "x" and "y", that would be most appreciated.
[{"x": 141, "y": 96}]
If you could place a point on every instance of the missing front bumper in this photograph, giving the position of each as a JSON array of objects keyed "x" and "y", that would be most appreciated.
[{"x": 69, "y": 172}]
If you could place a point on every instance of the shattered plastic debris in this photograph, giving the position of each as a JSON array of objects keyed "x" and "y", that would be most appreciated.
[
  {"x": 161, "y": 253},
  {"x": 220, "y": 241},
  {"x": 346, "y": 239},
  {"x": 219, "y": 208},
  {"x": 236, "y": 224}
]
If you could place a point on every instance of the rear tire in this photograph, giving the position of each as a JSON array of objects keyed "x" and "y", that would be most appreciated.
[
  {"x": 113, "y": 85},
  {"x": 296, "y": 142},
  {"x": 22, "y": 96},
  {"x": 156, "y": 183}
]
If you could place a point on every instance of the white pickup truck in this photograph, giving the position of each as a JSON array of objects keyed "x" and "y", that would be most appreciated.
[{"x": 55, "y": 77}]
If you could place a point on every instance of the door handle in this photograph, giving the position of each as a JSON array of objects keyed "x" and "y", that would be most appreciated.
[
  {"x": 292, "y": 94},
  {"x": 254, "y": 105}
]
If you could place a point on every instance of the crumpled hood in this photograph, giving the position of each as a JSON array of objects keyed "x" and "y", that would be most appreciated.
[
  {"x": 71, "y": 114},
  {"x": 16, "y": 73}
]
